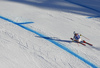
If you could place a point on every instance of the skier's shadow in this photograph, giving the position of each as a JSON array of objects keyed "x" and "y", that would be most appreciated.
[
  {"x": 54, "y": 38},
  {"x": 96, "y": 48}
]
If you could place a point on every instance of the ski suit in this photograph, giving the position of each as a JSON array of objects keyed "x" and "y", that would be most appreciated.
[{"x": 77, "y": 38}]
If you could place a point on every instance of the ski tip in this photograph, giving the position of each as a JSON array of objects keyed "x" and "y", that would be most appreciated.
[{"x": 91, "y": 45}]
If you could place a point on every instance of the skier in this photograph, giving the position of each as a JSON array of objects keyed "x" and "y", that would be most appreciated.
[{"x": 77, "y": 37}]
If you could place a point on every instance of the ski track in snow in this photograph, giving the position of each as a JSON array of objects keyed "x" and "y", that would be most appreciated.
[{"x": 52, "y": 41}]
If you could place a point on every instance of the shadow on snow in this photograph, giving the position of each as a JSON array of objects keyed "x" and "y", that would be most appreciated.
[
  {"x": 82, "y": 7},
  {"x": 68, "y": 41},
  {"x": 55, "y": 38}
]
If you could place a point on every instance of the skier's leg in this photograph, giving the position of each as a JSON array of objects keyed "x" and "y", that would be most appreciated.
[{"x": 79, "y": 40}]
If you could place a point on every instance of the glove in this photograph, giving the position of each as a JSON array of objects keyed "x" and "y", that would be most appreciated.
[{"x": 80, "y": 35}]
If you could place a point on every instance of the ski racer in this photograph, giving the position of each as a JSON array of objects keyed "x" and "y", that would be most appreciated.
[
  {"x": 79, "y": 40},
  {"x": 77, "y": 37}
]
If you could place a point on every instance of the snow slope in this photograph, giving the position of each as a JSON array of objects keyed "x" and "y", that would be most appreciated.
[{"x": 23, "y": 22}]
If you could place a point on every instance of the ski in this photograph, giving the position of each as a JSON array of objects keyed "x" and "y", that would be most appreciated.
[
  {"x": 77, "y": 42},
  {"x": 87, "y": 43}
]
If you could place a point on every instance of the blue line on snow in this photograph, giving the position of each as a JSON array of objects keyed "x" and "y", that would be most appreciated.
[
  {"x": 52, "y": 41},
  {"x": 93, "y": 17},
  {"x": 85, "y": 7}
]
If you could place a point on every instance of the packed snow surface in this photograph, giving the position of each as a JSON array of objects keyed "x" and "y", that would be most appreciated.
[{"x": 36, "y": 33}]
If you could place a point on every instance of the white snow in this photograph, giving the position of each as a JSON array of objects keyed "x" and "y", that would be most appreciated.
[{"x": 57, "y": 19}]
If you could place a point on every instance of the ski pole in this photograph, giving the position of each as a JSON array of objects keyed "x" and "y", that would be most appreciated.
[{"x": 84, "y": 37}]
